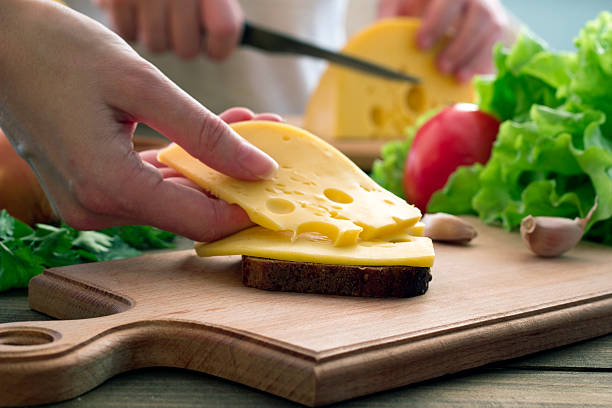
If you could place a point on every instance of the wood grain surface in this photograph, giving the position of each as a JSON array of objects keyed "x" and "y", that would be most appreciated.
[{"x": 487, "y": 302}]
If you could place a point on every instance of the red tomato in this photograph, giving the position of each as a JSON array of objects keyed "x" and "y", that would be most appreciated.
[{"x": 459, "y": 135}]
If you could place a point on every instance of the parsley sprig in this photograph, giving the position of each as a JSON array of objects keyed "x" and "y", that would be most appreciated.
[{"x": 25, "y": 252}]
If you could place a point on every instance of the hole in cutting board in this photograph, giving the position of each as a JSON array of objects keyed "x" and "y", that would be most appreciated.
[{"x": 31, "y": 336}]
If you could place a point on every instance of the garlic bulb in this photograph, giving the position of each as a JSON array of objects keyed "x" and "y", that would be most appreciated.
[
  {"x": 448, "y": 228},
  {"x": 553, "y": 236}
]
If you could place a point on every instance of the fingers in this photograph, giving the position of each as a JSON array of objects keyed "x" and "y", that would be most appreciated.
[
  {"x": 438, "y": 19},
  {"x": 179, "y": 179},
  {"x": 472, "y": 30},
  {"x": 122, "y": 16},
  {"x": 477, "y": 26},
  {"x": 179, "y": 25},
  {"x": 150, "y": 156},
  {"x": 222, "y": 21},
  {"x": 173, "y": 204},
  {"x": 168, "y": 173},
  {"x": 185, "y": 35},
  {"x": 389, "y": 8},
  {"x": 229, "y": 116},
  {"x": 240, "y": 114},
  {"x": 65, "y": 199},
  {"x": 481, "y": 62},
  {"x": 236, "y": 115},
  {"x": 394, "y": 8},
  {"x": 180, "y": 208},
  {"x": 273, "y": 117},
  {"x": 152, "y": 25},
  {"x": 189, "y": 124}
]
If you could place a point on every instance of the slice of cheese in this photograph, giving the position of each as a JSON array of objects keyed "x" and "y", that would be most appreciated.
[
  {"x": 401, "y": 249},
  {"x": 316, "y": 189},
  {"x": 351, "y": 104},
  {"x": 417, "y": 230}
]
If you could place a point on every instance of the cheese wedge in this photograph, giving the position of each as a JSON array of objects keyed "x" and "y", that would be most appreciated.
[
  {"x": 351, "y": 104},
  {"x": 400, "y": 249},
  {"x": 317, "y": 188}
]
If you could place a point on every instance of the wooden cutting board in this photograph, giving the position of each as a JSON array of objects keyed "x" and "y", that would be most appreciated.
[{"x": 489, "y": 301}]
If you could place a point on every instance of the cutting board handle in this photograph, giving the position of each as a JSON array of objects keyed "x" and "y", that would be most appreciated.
[
  {"x": 46, "y": 339},
  {"x": 38, "y": 359},
  {"x": 50, "y": 361}
]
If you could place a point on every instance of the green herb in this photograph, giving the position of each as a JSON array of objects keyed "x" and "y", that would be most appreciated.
[{"x": 25, "y": 252}]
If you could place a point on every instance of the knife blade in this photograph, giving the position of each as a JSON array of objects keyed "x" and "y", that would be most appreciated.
[{"x": 272, "y": 41}]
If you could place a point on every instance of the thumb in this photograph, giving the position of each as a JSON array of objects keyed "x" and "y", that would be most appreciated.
[{"x": 151, "y": 98}]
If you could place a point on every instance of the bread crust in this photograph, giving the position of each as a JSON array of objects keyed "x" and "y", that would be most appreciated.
[{"x": 346, "y": 280}]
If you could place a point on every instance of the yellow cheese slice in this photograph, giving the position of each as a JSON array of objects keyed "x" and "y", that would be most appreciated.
[
  {"x": 316, "y": 189},
  {"x": 351, "y": 104},
  {"x": 401, "y": 249},
  {"x": 417, "y": 230}
]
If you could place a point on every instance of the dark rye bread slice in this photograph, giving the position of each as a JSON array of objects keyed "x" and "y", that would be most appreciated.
[{"x": 348, "y": 280}]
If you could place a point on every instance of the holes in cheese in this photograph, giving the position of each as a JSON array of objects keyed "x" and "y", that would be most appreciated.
[
  {"x": 415, "y": 99},
  {"x": 402, "y": 249},
  {"x": 337, "y": 196},
  {"x": 351, "y": 104},
  {"x": 280, "y": 206},
  {"x": 378, "y": 116},
  {"x": 316, "y": 189}
]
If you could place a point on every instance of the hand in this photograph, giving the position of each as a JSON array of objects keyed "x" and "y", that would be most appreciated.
[
  {"x": 229, "y": 116},
  {"x": 178, "y": 25},
  {"x": 72, "y": 95},
  {"x": 474, "y": 26}
]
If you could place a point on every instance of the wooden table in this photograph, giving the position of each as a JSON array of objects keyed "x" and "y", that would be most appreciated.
[{"x": 576, "y": 375}]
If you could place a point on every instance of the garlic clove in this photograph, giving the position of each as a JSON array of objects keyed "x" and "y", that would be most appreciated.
[
  {"x": 553, "y": 236},
  {"x": 448, "y": 228},
  {"x": 550, "y": 236}
]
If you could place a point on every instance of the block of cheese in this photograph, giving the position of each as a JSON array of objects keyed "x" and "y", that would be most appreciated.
[
  {"x": 317, "y": 188},
  {"x": 351, "y": 104},
  {"x": 400, "y": 249}
]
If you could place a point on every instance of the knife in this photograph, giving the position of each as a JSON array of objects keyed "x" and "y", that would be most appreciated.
[{"x": 272, "y": 41}]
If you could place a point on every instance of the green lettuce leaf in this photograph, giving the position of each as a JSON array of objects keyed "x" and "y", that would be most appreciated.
[
  {"x": 526, "y": 75},
  {"x": 456, "y": 196},
  {"x": 553, "y": 153},
  {"x": 592, "y": 80},
  {"x": 389, "y": 171}
]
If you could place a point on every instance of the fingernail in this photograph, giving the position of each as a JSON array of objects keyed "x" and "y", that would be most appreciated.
[
  {"x": 257, "y": 162},
  {"x": 273, "y": 169}
]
